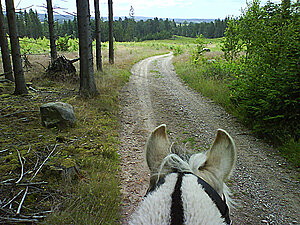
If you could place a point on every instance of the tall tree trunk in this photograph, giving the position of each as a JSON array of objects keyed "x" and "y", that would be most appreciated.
[
  {"x": 5, "y": 49},
  {"x": 87, "y": 81},
  {"x": 20, "y": 85},
  {"x": 285, "y": 4},
  {"x": 98, "y": 36},
  {"x": 51, "y": 31},
  {"x": 110, "y": 32}
]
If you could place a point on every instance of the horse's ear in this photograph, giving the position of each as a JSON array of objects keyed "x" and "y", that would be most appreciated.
[
  {"x": 222, "y": 156},
  {"x": 157, "y": 148}
]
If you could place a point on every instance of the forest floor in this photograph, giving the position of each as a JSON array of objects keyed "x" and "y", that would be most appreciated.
[
  {"x": 37, "y": 182},
  {"x": 263, "y": 184}
]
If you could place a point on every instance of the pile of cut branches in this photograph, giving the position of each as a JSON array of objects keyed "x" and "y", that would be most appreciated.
[{"x": 62, "y": 69}]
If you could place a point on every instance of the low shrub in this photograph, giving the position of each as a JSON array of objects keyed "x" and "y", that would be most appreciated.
[{"x": 267, "y": 90}]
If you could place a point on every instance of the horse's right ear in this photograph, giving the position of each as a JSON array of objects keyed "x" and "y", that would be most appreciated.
[
  {"x": 222, "y": 156},
  {"x": 157, "y": 148}
]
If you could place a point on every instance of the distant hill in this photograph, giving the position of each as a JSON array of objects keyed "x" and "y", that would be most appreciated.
[
  {"x": 61, "y": 18},
  {"x": 177, "y": 20}
]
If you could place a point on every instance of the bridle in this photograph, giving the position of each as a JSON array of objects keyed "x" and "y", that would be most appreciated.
[{"x": 177, "y": 214}]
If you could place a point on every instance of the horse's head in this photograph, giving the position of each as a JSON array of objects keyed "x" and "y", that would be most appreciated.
[
  {"x": 214, "y": 166},
  {"x": 192, "y": 183}
]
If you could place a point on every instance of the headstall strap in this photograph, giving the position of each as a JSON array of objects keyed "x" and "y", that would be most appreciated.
[{"x": 215, "y": 197}]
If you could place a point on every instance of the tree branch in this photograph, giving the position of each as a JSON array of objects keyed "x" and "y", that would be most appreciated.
[
  {"x": 74, "y": 60},
  {"x": 44, "y": 162},
  {"x": 18, "y": 220},
  {"x": 27, "y": 183},
  {"x": 22, "y": 200},
  {"x": 5, "y": 150},
  {"x": 8, "y": 115},
  {"x": 3, "y": 74},
  {"x": 41, "y": 65},
  {"x": 12, "y": 199},
  {"x": 22, "y": 167}
]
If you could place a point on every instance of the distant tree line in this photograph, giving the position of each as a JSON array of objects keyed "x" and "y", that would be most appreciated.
[{"x": 126, "y": 29}]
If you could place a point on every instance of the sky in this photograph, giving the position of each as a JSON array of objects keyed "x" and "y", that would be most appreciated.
[{"x": 187, "y": 9}]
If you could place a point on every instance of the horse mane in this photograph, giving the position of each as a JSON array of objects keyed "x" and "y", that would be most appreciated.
[{"x": 181, "y": 160}]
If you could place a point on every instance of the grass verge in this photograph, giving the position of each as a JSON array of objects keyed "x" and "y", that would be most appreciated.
[{"x": 197, "y": 78}]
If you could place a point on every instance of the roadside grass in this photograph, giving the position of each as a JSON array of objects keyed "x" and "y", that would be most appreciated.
[
  {"x": 196, "y": 77},
  {"x": 95, "y": 198},
  {"x": 82, "y": 172},
  {"x": 290, "y": 151}
]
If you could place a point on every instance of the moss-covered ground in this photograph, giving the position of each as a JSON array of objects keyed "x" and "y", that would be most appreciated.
[{"x": 64, "y": 175}]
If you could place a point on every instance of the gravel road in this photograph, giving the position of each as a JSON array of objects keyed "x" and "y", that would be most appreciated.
[{"x": 262, "y": 183}]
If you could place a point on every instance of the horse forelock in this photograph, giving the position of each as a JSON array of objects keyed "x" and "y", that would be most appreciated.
[{"x": 180, "y": 160}]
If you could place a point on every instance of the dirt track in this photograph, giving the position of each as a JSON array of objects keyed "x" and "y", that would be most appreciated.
[{"x": 262, "y": 184}]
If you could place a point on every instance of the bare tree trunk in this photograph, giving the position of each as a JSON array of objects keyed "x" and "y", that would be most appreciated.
[
  {"x": 5, "y": 49},
  {"x": 110, "y": 32},
  {"x": 51, "y": 31},
  {"x": 87, "y": 81},
  {"x": 98, "y": 36},
  {"x": 20, "y": 85},
  {"x": 286, "y": 3}
]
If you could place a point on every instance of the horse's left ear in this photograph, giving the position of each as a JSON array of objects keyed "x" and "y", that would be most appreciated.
[
  {"x": 157, "y": 148},
  {"x": 222, "y": 156}
]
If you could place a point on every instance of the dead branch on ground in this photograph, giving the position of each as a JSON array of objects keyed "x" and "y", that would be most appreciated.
[
  {"x": 23, "y": 111},
  {"x": 43, "y": 162},
  {"x": 14, "y": 192},
  {"x": 22, "y": 200},
  {"x": 27, "y": 64},
  {"x": 22, "y": 167},
  {"x": 3, "y": 74}
]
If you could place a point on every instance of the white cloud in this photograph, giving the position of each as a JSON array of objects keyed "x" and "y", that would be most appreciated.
[
  {"x": 121, "y": 7},
  {"x": 159, "y": 8},
  {"x": 153, "y": 3}
]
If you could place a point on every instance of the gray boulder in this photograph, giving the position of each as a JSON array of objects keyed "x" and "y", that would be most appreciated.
[{"x": 57, "y": 114}]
